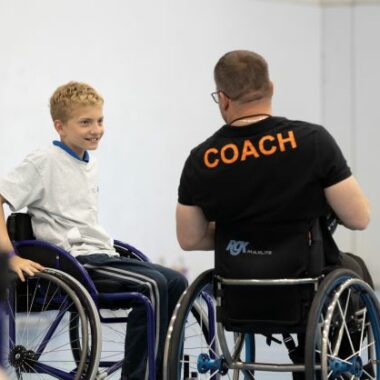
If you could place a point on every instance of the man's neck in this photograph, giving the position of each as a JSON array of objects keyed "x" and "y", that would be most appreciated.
[{"x": 245, "y": 115}]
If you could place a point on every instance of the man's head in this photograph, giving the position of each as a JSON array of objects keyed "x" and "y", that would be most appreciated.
[
  {"x": 77, "y": 112},
  {"x": 243, "y": 76},
  {"x": 242, "y": 83}
]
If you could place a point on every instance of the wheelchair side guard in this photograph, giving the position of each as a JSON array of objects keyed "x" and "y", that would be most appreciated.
[
  {"x": 130, "y": 251},
  {"x": 57, "y": 258}
]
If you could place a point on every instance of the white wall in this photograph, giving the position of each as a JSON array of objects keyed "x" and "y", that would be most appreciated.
[
  {"x": 152, "y": 60},
  {"x": 350, "y": 110}
]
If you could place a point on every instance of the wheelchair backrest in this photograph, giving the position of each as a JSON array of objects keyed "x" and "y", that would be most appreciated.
[
  {"x": 267, "y": 251},
  {"x": 19, "y": 227},
  {"x": 251, "y": 250}
]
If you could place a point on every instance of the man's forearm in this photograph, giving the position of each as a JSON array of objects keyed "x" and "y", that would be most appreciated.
[
  {"x": 194, "y": 231},
  {"x": 207, "y": 243},
  {"x": 349, "y": 203}
]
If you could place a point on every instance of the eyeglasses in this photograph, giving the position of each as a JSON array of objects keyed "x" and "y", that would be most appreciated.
[{"x": 215, "y": 96}]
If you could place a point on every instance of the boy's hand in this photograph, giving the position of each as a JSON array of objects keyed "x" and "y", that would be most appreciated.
[{"x": 20, "y": 265}]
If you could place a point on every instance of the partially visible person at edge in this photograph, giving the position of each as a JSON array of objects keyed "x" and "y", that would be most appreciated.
[
  {"x": 65, "y": 212},
  {"x": 263, "y": 168}
]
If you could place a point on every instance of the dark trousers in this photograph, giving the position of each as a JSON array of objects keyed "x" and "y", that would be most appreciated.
[{"x": 162, "y": 285}]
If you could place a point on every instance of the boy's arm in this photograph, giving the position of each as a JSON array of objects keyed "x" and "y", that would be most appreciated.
[
  {"x": 194, "y": 231},
  {"x": 16, "y": 263}
]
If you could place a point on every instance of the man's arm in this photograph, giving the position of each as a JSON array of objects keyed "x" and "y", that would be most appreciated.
[
  {"x": 349, "y": 203},
  {"x": 194, "y": 231},
  {"x": 16, "y": 263}
]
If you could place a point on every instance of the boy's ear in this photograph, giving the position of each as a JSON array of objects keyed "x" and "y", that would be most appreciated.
[{"x": 58, "y": 125}]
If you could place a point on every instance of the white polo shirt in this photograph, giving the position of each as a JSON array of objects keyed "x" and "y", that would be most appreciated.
[{"x": 61, "y": 193}]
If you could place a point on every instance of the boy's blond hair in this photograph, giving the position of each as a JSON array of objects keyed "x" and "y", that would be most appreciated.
[{"x": 71, "y": 95}]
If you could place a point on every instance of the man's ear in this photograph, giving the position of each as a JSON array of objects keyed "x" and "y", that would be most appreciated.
[
  {"x": 271, "y": 88},
  {"x": 224, "y": 101}
]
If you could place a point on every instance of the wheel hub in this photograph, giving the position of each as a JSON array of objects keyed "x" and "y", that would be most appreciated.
[
  {"x": 205, "y": 364},
  {"x": 353, "y": 366},
  {"x": 20, "y": 357}
]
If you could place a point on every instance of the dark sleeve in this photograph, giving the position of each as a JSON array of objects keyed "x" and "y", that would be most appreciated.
[
  {"x": 184, "y": 190},
  {"x": 331, "y": 164}
]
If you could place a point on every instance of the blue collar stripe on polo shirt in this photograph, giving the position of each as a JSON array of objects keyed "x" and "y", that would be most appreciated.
[{"x": 60, "y": 144}]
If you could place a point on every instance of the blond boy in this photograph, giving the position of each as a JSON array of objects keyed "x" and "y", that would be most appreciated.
[{"x": 59, "y": 187}]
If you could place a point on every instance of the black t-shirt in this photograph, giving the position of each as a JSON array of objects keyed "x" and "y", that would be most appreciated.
[{"x": 271, "y": 171}]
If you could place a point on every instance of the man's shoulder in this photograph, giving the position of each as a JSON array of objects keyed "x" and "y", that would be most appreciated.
[
  {"x": 301, "y": 124},
  {"x": 306, "y": 129},
  {"x": 205, "y": 144}
]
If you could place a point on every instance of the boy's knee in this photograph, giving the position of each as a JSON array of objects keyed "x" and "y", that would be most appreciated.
[
  {"x": 161, "y": 282},
  {"x": 180, "y": 282}
]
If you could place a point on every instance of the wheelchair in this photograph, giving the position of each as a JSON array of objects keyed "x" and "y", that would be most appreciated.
[
  {"x": 334, "y": 314},
  {"x": 58, "y": 319}
]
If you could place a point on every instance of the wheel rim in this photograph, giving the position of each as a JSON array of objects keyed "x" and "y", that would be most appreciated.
[
  {"x": 349, "y": 348},
  {"x": 38, "y": 330}
]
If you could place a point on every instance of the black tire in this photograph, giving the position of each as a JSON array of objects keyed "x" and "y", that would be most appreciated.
[
  {"x": 38, "y": 319},
  {"x": 343, "y": 331},
  {"x": 94, "y": 347}
]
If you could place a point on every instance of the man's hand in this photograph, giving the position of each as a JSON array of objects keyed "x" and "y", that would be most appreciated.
[{"x": 21, "y": 266}]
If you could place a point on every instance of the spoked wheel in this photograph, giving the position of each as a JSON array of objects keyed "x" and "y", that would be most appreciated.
[
  {"x": 38, "y": 329},
  {"x": 343, "y": 337},
  {"x": 113, "y": 338},
  {"x": 190, "y": 348}
]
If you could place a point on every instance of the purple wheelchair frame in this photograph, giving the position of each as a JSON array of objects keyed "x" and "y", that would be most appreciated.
[{"x": 61, "y": 256}]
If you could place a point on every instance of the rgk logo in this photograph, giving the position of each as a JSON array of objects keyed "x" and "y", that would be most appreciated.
[{"x": 236, "y": 247}]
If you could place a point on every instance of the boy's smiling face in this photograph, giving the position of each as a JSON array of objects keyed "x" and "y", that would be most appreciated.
[{"x": 83, "y": 130}]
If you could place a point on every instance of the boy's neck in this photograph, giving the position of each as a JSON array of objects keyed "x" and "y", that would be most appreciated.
[{"x": 62, "y": 145}]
